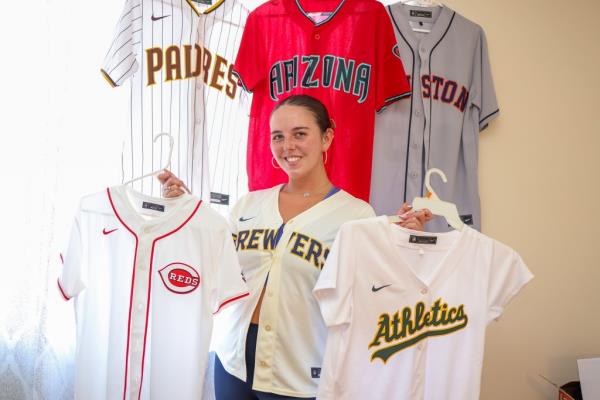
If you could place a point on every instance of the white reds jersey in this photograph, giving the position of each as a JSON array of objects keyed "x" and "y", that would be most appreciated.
[
  {"x": 453, "y": 99},
  {"x": 409, "y": 310},
  {"x": 157, "y": 47},
  {"x": 147, "y": 275},
  {"x": 225, "y": 108},
  {"x": 286, "y": 260}
]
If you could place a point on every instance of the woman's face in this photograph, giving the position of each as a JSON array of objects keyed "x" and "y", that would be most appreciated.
[{"x": 296, "y": 140}]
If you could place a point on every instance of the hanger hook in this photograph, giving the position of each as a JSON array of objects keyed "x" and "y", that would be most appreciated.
[
  {"x": 171, "y": 143},
  {"x": 428, "y": 182}
]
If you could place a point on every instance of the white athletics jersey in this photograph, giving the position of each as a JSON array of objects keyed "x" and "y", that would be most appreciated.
[
  {"x": 157, "y": 47},
  {"x": 225, "y": 110},
  {"x": 147, "y": 275},
  {"x": 292, "y": 333},
  {"x": 408, "y": 310},
  {"x": 453, "y": 99}
]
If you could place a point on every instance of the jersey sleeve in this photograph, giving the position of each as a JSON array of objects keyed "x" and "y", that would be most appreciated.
[
  {"x": 333, "y": 289},
  {"x": 230, "y": 283},
  {"x": 391, "y": 83},
  {"x": 121, "y": 61},
  {"x": 70, "y": 281},
  {"x": 508, "y": 274},
  {"x": 483, "y": 92},
  {"x": 251, "y": 55}
]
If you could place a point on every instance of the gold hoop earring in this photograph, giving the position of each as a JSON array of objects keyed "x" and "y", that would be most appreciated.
[
  {"x": 325, "y": 161},
  {"x": 274, "y": 164}
]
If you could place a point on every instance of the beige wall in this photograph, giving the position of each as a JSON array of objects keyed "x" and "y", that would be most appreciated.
[{"x": 540, "y": 178}]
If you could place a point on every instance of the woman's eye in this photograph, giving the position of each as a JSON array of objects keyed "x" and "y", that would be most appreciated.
[
  {"x": 300, "y": 134},
  {"x": 276, "y": 138}
]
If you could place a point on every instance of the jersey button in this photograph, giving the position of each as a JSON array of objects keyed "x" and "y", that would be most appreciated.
[
  {"x": 317, "y": 36},
  {"x": 268, "y": 328},
  {"x": 263, "y": 363},
  {"x": 417, "y": 113},
  {"x": 424, "y": 291}
]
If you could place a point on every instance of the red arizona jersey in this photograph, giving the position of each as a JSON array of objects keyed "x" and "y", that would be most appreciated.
[{"x": 346, "y": 60}]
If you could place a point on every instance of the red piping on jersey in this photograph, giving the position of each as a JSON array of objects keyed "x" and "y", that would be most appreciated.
[
  {"x": 131, "y": 292},
  {"x": 64, "y": 295},
  {"x": 150, "y": 288},
  {"x": 229, "y": 301}
]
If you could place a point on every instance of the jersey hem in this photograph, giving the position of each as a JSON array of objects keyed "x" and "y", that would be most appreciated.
[
  {"x": 108, "y": 78},
  {"x": 62, "y": 292},
  {"x": 485, "y": 121},
  {"x": 229, "y": 301},
  {"x": 241, "y": 81},
  {"x": 391, "y": 100}
]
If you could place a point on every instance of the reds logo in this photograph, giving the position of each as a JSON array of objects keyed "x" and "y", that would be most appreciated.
[{"x": 180, "y": 278}]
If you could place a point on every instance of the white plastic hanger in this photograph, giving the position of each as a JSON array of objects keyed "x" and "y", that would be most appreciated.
[
  {"x": 438, "y": 207},
  {"x": 433, "y": 203},
  {"x": 167, "y": 165}
]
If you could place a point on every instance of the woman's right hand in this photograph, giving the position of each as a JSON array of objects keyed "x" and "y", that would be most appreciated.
[{"x": 172, "y": 186}]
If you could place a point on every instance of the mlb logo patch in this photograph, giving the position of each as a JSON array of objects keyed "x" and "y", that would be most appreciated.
[
  {"x": 180, "y": 278},
  {"x": 315, "y": 373}
]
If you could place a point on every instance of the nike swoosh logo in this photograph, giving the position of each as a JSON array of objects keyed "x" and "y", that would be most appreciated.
[
  {"x": 153, "y": 18},
  {"x": 374, "y": 289},
  {"x": 242, "y": 219},
  {"x": 107, "y": 232}
]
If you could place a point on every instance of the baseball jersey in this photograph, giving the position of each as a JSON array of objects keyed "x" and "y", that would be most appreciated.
[
  {"x": 157, "y": 48},
  {"x": 324, "y": 49},
  {"x": 286, "y": 260},
  {"x": 453, "y": 100},
  {"x": 409, "y": 310},
  {"x": 225, "y": 107},
  {"x": 147, "y": 275}
]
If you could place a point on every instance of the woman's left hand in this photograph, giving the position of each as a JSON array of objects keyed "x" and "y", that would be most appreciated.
[{"x": 414, "y": 220}]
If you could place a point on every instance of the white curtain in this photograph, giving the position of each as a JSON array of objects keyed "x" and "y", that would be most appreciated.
[{"x": 61, "y": 137}]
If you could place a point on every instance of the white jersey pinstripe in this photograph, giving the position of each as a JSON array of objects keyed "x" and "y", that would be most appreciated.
[
  {"x": 226, "y": 106},
  {"x": 156, "y": 47}
]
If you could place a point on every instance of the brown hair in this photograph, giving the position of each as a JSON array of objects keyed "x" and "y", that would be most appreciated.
[{"x": 313, "y": 105}]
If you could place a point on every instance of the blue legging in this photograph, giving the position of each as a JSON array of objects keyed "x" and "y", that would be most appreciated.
[{"x": 228, "y": 387}]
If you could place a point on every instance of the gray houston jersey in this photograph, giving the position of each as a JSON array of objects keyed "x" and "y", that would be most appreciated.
[
  {"x": 453, "y": 100},
  {"x": 226, "y": 106}
]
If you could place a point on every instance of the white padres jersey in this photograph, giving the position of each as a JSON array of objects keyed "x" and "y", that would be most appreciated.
[
  {"x": 286, "y": 260},
  {"x": 147, "y": 275},
  {"x": 409, "y": 310},
  {"x": 225, "y": 108},
  {"x": 157, "y": 48},
  {"x": 453, "y": 99}
]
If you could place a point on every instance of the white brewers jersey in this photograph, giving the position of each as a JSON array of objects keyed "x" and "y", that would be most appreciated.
[
  {"x": 409, "y": 310},
  {"x": 453, "y": 98},
  {"x": 225, "y": 108},
  {"x": 147, "y": 275},
  {"x": 157, "y": 48},
  {"x": 292, "y": 333}
]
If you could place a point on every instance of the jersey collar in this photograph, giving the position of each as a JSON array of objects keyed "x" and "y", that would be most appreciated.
[
  {"x": 295, "y": 9},
  {"x": 179, "y": 211},
  {"x": 429, "y": 41}
]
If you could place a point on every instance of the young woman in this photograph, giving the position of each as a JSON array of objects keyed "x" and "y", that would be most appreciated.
[{"x": 271, "y": 345}]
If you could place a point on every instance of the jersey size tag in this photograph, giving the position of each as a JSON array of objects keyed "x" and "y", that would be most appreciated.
[
  {"x": 205, "y": 2},
  {"x": 219, "y": 198},
  {"x": 153, "y": 206},
  {"x": 422, "y": 239},
  {"x": 315, "y": 373},
  {"x": 421, "y": 14}
]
